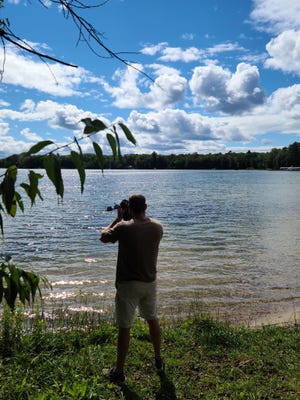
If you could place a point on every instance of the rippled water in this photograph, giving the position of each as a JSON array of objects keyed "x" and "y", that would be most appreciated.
[{"x": 231, "y": 239}]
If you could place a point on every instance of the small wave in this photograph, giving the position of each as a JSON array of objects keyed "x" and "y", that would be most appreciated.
[
  {"x": 78, "y": 282},
  {"x": 86, "y": 309},
  {"x": 61, "y": 295}
]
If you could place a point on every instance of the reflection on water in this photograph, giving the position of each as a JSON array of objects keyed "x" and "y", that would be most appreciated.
[{"x": 231, "y": 238}]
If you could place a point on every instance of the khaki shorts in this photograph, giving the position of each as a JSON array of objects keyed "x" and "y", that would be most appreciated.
[{"x": 131, "y": 295}]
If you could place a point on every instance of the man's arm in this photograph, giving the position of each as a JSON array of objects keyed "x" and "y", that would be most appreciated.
[{"x": 105, "y": 236}]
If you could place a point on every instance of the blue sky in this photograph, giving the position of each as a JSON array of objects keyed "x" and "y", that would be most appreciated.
[{"x": 225, "y": 75}]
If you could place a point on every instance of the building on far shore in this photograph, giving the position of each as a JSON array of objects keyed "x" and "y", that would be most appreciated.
[{"x": 289, "y": 168}]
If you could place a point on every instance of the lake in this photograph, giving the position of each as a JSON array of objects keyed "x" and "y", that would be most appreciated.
[{"x": 231, "y": 240}]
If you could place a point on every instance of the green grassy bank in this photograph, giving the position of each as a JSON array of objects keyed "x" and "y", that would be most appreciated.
[{"x": 205, "y": 359}]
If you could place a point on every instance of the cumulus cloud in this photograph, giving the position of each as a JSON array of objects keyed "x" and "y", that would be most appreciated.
[
  {"x": 32, "y": 136},
  {"x": 54, "y": 79},
  {"x": 223, "y": 48},
  {"x": 276, "y": 16},
  {"x": 169, "y": 87},
  {"x": 284, "y": 51},
  {"x": 9, "y": 145},
  {"x": 177, "y": 130},
  {"x": 283, "y": 20},
  {"x": 178, "y": 54},
  {"x": 227, "y": 92},
  {"x": 177, "y": 126},
  {"x": 151, "y": 50},
  {"x": 4, "y": 128},
  {"x": 190, "y": 54},
  {"x": 63, "y": 116},
  {"x": 57, "y": 116},
  {"x": 3, "y": 103}
]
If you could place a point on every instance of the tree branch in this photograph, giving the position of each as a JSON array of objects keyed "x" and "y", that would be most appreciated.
[
  {"x": 29, "y": 49},
  {"x": 87, "y": 33}
]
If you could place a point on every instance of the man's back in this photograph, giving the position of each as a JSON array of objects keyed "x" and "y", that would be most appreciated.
[{"x": 138, "y": 249}]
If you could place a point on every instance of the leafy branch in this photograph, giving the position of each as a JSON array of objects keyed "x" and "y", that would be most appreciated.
[
  {"x": 16, "y": 282},
  {"x": 11, "y": 199}
]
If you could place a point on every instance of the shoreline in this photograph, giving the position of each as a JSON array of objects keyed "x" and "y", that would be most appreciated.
[
  {"x": 251, "y": 318},
  {"x": 255, "y": 315}
]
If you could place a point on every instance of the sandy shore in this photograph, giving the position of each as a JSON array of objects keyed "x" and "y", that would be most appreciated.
[
  {"x": 245, "y": 314},
  {"x": 257, "y": 317}
]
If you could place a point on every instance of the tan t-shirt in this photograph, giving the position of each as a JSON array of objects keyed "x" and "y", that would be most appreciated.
[{"x": 138, "y": 249}]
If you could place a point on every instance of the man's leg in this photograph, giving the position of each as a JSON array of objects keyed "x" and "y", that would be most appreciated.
[
  {"x": 155, "y": 334},
  {"x": 122, "y": 348}
]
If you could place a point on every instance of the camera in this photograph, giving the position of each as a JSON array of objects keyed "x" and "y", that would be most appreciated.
[{"x": 124, "y": 205}]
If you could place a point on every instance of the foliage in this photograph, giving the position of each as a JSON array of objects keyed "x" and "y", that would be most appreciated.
[
  {"x": 15, "y": 282},
  {"x": 275, "y": 159},
  {"x": 11, "y": 199},
  {"x": 262, "y": 363}
]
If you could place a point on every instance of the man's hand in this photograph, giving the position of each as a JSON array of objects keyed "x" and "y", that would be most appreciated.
[
  {"x": 105, "y": 234},
  {"x": 120, "y": 213}
]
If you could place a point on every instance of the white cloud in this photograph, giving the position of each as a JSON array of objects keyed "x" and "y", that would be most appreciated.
[
  {"x": 54, "y": 79},
  {"x": 173, "y": 127},
  {"x": 188, "y": 36},
  {"x": 64, "y": 116},
  {"x": 169, "y": 87},
  {"x": 178, "y": 54},
  {"x": 4, "y": 128},
  {"x": 3, "y": 103},
  {"x": 151, "y": 50},
  {"x": 57, "y": 116},
  {"x": 32, "y": 136},
  {"x": 172, "y": 130},
  {"x": 223, "y": 91},
  {"x": 190, "y": 54},
  {"x": 223, "y": 48},
  {"x": 284, "y": 51},
  {"x": 276, "y": 16},
  {"x": 9, "y": 145}
]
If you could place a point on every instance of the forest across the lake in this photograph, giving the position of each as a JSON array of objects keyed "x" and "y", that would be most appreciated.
[{"x": 274, "y": 160}]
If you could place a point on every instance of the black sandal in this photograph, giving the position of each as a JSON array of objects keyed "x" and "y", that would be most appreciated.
[{"x": 116, "y": 377}]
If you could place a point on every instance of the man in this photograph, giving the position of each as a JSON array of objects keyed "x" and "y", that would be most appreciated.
[{"x": 138, "y": 240}]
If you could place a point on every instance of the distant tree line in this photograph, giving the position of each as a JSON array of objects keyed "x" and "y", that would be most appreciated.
[{"x": 275, "y": 159}]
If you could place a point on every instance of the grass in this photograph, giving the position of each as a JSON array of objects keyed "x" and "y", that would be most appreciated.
[{"x": 205, "y": 359}]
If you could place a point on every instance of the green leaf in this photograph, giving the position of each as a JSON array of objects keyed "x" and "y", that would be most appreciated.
[
  {"x": 93, "y": 126},
  {"x": 32, "y": 189},
  {"x": 38, "y": 147},
  {"x": 11, "y": 289},
  {"x": 117, "y": 141},
  {"x": 99, "y": 154},
  {"x": 32, "y": 280},
  {"x": 77, "y": 161},
  {"x": 128, "y": 133},
  {"x": 26, "y": 187},
  {"x": 1, "y": 227},
  {"x": 12, "y": 172},
  {"x": 53, "y": 170},
  {"x": 112, "y": 142},
  {"x": 7, "y": 189},
  {"x": 19, "y": 201},
  {"x": 8, "y": 193},
  {"x": 79, "y": 148}
]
